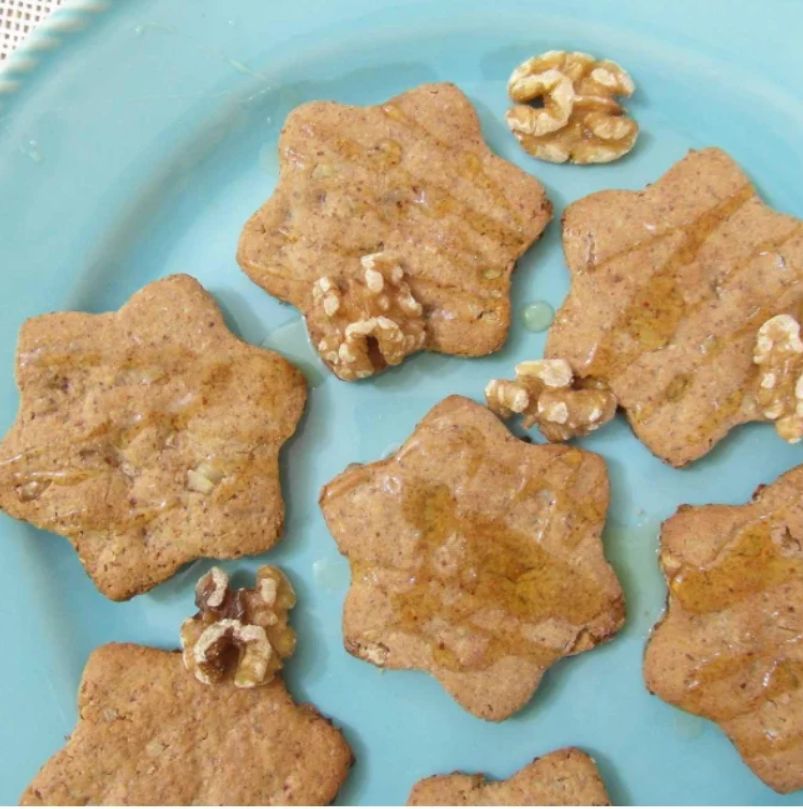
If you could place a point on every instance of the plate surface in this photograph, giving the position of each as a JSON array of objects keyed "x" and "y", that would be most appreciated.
[{"x": 135, "y": 140}]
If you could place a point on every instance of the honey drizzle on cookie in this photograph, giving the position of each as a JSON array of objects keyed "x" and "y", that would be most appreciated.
[
  {"x": 497, "y": 570},
  {"x": 680, "y": 386},
  {"x": 469, "y": 165},
  {"x": 472, "y": 240},
  {"x": 478, "y": 590},
  {"x": 436, "y": 201},
  {"x": 765, "y": 665},
  {"x": 180, "y": 392},
  {"x": 658, "y": 308}
]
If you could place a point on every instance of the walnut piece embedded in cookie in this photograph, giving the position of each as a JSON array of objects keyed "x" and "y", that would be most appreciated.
[
  {"x": 394, "y": 229},
  {"x": 242, "y": 634},
  {"x": 730, "y": 646},
  {"x": 475, "y": 557},
  {"x": 149, "y": 437},
  {"x": 670, "y": 286},
  {"x": 567, "y": 777},
  {"x": 543, "y": 393},
  {"x": 148, "y": 734},
  {"x": 779, "y": 357},
  {"x": 579, "y": 118}
]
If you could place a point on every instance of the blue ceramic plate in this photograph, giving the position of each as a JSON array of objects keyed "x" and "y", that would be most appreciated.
[{"x": 137, "y": 137}]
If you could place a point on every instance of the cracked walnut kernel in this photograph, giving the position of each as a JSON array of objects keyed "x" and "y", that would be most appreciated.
[
  {"x": 369, "y": 322},
  {"x": 779, "y": 357},
  {"x": 243, "y": 633},
  {"x": 580, "y": 119},
  {"x": 543, "y": 393}
]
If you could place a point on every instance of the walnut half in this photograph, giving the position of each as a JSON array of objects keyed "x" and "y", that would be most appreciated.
[
  {"x": 779, "y": 357},
  {"x": 543, "y": 393},
  {"x": 579, "y": 118},
  {"x": 241, "y": 633},
  {"x": 367, "y": 322}
]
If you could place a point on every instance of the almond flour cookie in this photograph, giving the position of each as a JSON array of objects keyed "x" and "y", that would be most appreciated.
[
  {"x": 394, "y": 229},
  {"x": 150, "y": 734},
  {"x": 475, "y": 557},
  {"x": 567, "y": 777},
  {"x": 670, "y": 286},
  {"x": 730, "y": 647},
  {"x": 149, "y": 437}
]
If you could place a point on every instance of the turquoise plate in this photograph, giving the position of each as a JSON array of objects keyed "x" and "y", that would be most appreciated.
[{"x": 137, "y": 137}]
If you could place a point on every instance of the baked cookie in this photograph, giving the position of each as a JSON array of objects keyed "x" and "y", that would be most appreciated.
[
  {"x": 730, "y": 646},
  {"x": 394, "y": 228},
  {"x": 567, "y": 777},
  {"x": 670, "y": 286},
  {"x": 475, "y": 556},
  {"x": 150, "y": 734},
  {"x": 149, "y": 437}
]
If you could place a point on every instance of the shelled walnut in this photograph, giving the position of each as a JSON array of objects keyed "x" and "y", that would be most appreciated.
[
  {"x": 544, "y": 394},
  {"x": 240, "y": 633},
  {"x": 579, "y": 118},
  {"x": 779, "y": 356},
  {"x": 369, "y": 322}
]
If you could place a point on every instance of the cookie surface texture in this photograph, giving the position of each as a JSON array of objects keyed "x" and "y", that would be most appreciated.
[
  {"x": 670, "y": 286},
  {"x": 394, "y": 228},
  {"x": 567, "y": 777},
  {"x": 730, "y": 646},
  {"x": 475, "y": 557},
  {"x": 149, "y": 437},
  {"x": 149, "y": 733}
]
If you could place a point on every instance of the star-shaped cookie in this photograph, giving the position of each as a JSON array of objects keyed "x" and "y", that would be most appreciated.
[
  {"x": 150, "y": 734},
  {"x": 567, "y": 777},
  {"x": 475, "y": 556},
  {"x": 149, "y": 437},
  {"x": 730, "y": 646},
  {"x": 670, "y": 286},
  {"x": 394, "y": 228}
]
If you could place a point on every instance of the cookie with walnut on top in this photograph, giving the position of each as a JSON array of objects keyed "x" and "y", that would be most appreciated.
[
  {"x": 394, "y": 229},
  {"x": 684, "y": 312},
  {"x": 214, "y": 725}
]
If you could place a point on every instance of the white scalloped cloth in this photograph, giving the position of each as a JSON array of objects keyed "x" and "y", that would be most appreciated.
[{"x": 18, "y": 18}]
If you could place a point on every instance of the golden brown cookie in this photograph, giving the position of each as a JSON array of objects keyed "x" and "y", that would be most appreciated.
[
  {"x": 475, "y": 557},
  {"x": 149, "y": 437},
  {"x": 730, "y": 647},
  {"x": 567, "y": 777},
  {"x": 394, "y": 228},
  {"x": 150, "y": 734},
  {"x": 669, "y": 288}
]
